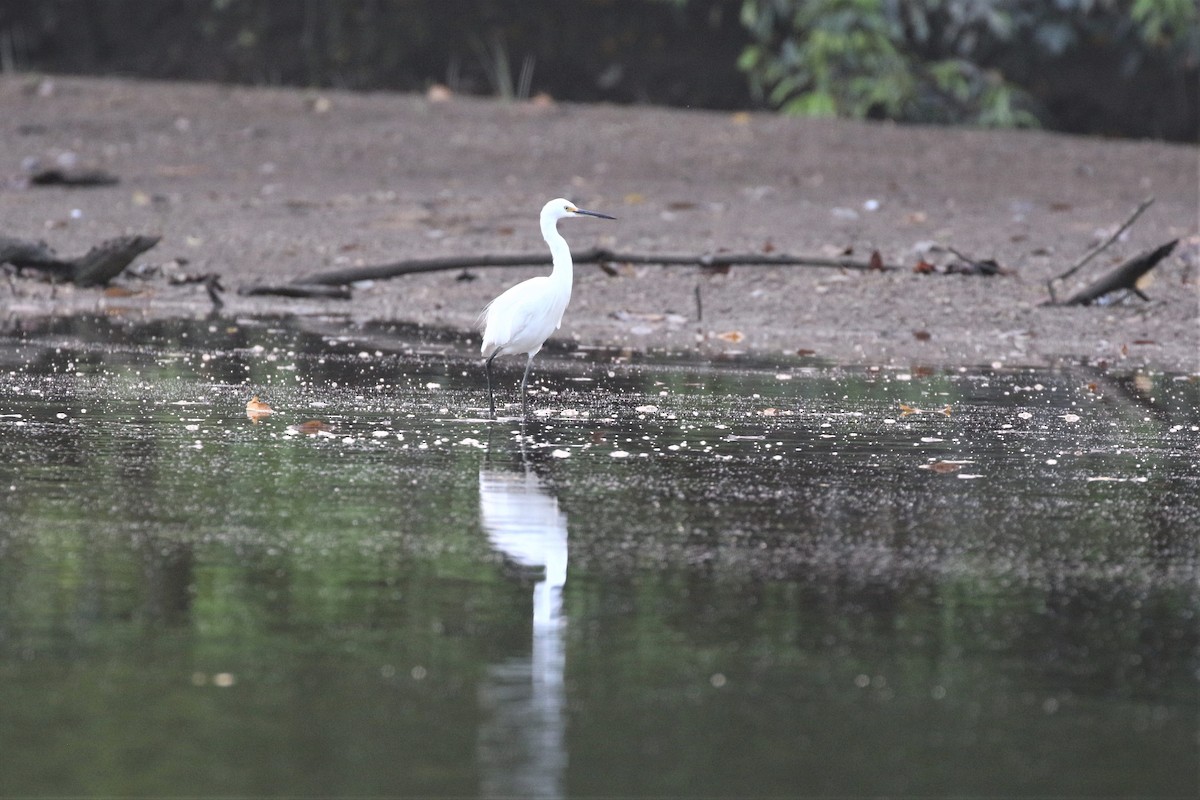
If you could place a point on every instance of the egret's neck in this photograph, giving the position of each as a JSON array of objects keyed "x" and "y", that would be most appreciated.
[{"x": 558, "y": 250}]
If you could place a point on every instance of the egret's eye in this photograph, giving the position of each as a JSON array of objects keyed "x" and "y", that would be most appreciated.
[{"x": 569, "y": 208}]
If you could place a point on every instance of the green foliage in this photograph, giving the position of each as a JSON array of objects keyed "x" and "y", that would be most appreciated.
[
  {"x": 1168, "y": 23},
  {"x": 977, "y": 62},
  {"x": 869, "y": 58}
]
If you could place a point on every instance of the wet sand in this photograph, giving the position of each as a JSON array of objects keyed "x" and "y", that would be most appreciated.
[{"x": 266, "y": 185}]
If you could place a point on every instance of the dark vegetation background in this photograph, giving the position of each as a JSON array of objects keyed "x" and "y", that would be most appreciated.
[{"x": 1113, "y": 67}]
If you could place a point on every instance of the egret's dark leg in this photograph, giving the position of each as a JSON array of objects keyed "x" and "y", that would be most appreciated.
[
  {"x": 524, "y": 384},
  {"x": 487, "y": 368}
]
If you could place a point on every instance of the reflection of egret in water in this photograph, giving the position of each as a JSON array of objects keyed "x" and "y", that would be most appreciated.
[{"x": 522, "y": 747}]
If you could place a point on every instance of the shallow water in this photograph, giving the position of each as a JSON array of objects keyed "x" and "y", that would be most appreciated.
[{"x": 679, "y": 578}]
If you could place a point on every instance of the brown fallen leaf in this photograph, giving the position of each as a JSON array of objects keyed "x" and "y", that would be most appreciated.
[
  {"x": 944, "y": 467},
  {"x": 178, "y": 170},
  {"x": 923, "y": 267},
  {"x": 922, "y": 335},
  {"x": 313, "y": 427},
  {"x": 906, "y": 409},
  {"x": 638, "y": 316},
  {"x": 437, "y": 93},
  {"x": 257, "y": 410},
  {"x": 125, "y": 291},
  {"x": 731, "y": 336},
  {"x": 804, "y": 351},
  {"x": 875, "y": 262}
]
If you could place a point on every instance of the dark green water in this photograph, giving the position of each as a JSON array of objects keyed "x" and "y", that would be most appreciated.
[{"x": 680, "y": 580}]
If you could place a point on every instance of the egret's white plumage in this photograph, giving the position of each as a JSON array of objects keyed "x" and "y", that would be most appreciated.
[{"x": 522, "y": 318}]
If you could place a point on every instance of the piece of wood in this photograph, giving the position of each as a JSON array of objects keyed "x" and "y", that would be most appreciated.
[
  {"x": 328, "y": 291},
  {"x": 1123, "y": 276},
  {"x": 973, "y": 266},
  {"x": 594, "y": 255},
  {"x": 108, "y": 259},
  {"x": 212, "y": 285},
  {"x": 55, "y": 176},
  {"x": 1097, "y": 250},
  {"x": 22, "y": 253},
  {"x": 95, "y": 268}
]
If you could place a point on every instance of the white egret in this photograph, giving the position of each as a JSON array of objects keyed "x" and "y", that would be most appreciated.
[{"x": 523, "y": 317}]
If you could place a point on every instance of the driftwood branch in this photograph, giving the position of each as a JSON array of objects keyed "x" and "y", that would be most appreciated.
[
  {"x": 95, "y": 268},
  {"x": 1123, "y": 276},
  {"x": 594, "y": 255},
  {"x": 1097, "y": 250},
  {"x": 108, "y": 259}
]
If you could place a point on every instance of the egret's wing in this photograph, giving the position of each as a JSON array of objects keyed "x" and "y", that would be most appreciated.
[{"x": 510, "y": 315}]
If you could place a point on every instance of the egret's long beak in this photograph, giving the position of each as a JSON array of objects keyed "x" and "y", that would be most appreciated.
[{"x": 592, "y": 213}]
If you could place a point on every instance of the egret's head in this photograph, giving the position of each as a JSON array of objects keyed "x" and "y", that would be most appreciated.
[{"x": 562, "y": 208}]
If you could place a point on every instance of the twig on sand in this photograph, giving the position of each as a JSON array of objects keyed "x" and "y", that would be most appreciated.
[{"x": 1095, "y": 251}]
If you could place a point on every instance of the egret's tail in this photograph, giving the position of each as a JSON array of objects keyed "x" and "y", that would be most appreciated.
[{"x": 481, "y": 324}]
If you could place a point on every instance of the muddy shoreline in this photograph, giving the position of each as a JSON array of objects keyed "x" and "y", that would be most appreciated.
[{"x": 264, "y": 185}]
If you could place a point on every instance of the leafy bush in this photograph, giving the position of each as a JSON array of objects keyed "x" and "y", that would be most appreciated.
[{"x": 987, "y": 62}]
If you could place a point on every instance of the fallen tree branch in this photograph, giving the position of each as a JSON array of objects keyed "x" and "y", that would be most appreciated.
[
  {"x": 108, "y": 259},
  {"x": 96, "y": 267},
  {"x": 1123, "y": 276},
  {"x": 1095, "y": 251},
  {"x": 34, "y": 255},
  {"x": 595, "y": 255}
]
